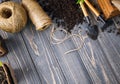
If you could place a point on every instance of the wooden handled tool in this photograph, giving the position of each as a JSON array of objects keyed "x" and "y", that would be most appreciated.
[
  {"x": 91, "y": 30},
  {"x": 116, "y": 3},
  {"x": 95, "y": 11},
  {"x": 92, "y": 8},
  {"x": 85, "y": 13}
]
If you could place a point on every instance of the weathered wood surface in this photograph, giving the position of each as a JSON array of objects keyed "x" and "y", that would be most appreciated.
[{"x": 36, "y": 61}]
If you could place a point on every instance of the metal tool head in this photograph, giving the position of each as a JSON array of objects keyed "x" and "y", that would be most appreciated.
[
  {"x": 103, "y": 24},
  {"x": 92, "y": 32}
]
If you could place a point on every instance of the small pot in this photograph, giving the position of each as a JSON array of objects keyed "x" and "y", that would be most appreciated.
[
  {"x": 7, "y": 75},
  {"x": 3, "y": 48}
]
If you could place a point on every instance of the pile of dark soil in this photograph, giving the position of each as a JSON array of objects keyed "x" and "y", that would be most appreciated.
[{"x": 67, "y": 10}]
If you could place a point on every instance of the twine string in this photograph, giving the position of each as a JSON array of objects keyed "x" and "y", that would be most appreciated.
[{"x": 66, "y": 37}]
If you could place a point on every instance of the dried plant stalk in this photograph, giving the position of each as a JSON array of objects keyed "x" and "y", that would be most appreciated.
[
  {"x": 13, "y": 17},
  {"x": 39, "y": 18}
]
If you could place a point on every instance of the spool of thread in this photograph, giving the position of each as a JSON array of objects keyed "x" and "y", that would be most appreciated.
[
  {"x": 37, "y": 15},
  {"x": 13, "y": 17}
]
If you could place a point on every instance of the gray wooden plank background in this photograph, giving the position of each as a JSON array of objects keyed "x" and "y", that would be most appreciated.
[{"x": 36, "y": 60}]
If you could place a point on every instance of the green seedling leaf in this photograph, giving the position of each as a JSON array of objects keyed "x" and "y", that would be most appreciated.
[
  {"x": 1, "y": 64},
  {"x": 80, "y": 1}
]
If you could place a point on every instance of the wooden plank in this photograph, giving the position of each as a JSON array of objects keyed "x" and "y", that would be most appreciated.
[
  {"x": 47, "y": 66},
  {"x": 35, "y": 60},
  {"x": 70, "y": 64},
  {"x": 109, "y": 74},
  {"x": 111, "y": 49},
  {"x": 95, "y": 62},
  {"x": 19, "y": 59},
  {"x": 96, "y": 67}
]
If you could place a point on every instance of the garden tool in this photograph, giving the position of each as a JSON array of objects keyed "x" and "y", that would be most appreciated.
[
  {"x": 91, "y": 30},
  {"x": 100, "y": 19}
]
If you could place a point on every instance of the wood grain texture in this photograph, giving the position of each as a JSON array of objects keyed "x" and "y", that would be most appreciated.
[
  {"x": 108, "y": 9},
  {"x": 36, "y": 60}
]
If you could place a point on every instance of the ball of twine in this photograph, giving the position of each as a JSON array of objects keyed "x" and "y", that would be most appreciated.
[
  {"x": 13, "y": 17},
  {"x": 37, "y": 15}
]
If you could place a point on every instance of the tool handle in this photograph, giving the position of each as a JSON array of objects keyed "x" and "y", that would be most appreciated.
[
  {"x": 92, "y": 8},
  {"x": 85, "y": 12},
  {"x": 84, "y": 9}
]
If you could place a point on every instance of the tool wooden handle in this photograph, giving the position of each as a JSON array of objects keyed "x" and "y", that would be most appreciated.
[
  {"x": 84, "y": 9},
  {"x": 92, "y": 8},
  {"x": 116, "y": 4}
]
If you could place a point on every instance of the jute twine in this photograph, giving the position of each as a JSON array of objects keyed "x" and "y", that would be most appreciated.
[
  {"x": 12, "y": 17},
  {"x": 37, "y": 15}
]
